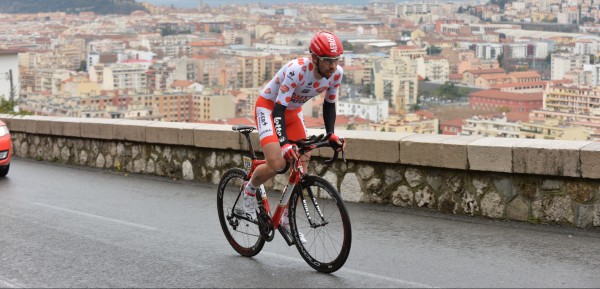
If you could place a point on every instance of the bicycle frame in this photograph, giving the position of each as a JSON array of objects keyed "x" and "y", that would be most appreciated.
[{"x": 294, "y": 179}]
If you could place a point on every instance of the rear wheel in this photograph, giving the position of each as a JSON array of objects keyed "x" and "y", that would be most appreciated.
[
  {"x": 324, "y": 222},
  {"x": 4, "y": 170},
  {"x": 242, "y": 235}
]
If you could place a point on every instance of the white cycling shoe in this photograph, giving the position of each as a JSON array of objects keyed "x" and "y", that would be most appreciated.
[
  {"x": 285, "y": 223},
  {"x": 249, "y": 203}
]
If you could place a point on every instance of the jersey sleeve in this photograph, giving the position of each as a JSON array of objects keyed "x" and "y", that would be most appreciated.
[
  {"x": 332, "y": 93},
  {"x": 290, "y": 79}
]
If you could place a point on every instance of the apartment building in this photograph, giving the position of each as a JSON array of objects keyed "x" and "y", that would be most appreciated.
[
  {"x": 496, "y": 101},
  {"x": 184, "y": 69},
  {"x": 521, "y": 87},
  {"x": 419, "y": 122},
  {"x": 491, "y": 126},
  {"x": 436, "y": 69},
  {"x": 410, "y": 52},
  {"x": 395, "y": 81},
  {"x": 564, "y": 62},
  {"x": 470, "y": 76},
  {"x": 371, "y": 109},
  {"x": 572, "y": 99},
  {"x": 125, "y": 76},
  {"x": 173, "y": 46},
  {"x": 220, "y": 71},
  {"x": 209, "y": 106},
  {"x": 554, "y": 129}
]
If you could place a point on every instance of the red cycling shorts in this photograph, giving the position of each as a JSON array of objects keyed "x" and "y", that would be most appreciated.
[{"x": 263, "y": 116}]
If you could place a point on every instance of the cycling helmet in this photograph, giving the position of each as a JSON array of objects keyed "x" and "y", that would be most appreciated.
[{"x": 326, "y": 44}]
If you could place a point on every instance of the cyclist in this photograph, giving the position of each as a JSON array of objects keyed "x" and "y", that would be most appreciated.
[{"x": 278, "y": 111}]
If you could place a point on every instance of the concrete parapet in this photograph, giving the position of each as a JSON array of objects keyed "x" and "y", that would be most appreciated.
[
  {"x": 6, "y": 118},
  {"x": 548, "y": 157},
  {"x": 66, "y": 126},
  {"x": 219, "y": 136},
  {"x": 590, "y": 161},
  {"x": 98, "y": 128},
  {"x": 367, "y": 146},
  {"x": 492, "y": 154},
  {"x": 131, "y": 130},
  {"x": 175, "y": 133},
  {"x": 444, "y": 151},
  {"x": 32, "y": 124}
]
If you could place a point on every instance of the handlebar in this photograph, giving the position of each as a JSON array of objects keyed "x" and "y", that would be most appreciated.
[{"x": 322, "y": 140}]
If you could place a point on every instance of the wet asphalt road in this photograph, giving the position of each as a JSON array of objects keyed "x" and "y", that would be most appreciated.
[{"x": 63, "y": 226}]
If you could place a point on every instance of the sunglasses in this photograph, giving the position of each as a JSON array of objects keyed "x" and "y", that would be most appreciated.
[{"x": 329, "y": 60}]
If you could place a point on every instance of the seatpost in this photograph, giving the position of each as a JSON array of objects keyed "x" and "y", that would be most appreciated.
[{"x": 252, "y": 153}]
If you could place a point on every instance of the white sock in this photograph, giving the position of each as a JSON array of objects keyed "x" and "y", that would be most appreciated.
[{"x": 250, "y": 188}]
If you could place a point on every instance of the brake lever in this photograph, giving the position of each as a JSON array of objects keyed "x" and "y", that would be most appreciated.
[{"x": 332, "y": 160}]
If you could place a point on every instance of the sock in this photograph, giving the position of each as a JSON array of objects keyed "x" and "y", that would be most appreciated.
[{"x": 250, "y": 189}]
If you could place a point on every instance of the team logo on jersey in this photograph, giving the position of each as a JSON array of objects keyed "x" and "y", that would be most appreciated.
[
  {"x": 305, "y": 90},
  {"x": 299, "y": 99},
  {"x": 316, "y": 85},
  {"x": 332, "y": 97},
  {"x": 291, "y": 75},
  {"x": 293, "y": 85},
  {"x": 309, "y": 84},
  {"x": 284, "y": 88},
  {"x": 301, "y": 61},
  {"x": 262, "y": 118},
  {"x": 337, "y": 77},
  {"x": 311, "y": 66}
]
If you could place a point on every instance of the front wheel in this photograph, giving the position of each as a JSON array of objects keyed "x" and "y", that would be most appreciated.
[
  {"x": 318, "y": 212},
  {"x": 242, "y": 235}
]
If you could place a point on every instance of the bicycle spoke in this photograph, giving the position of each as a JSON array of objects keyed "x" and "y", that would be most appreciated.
[
  {"x": 328, "y": 242},
  {"x": 245, "y": 237}
]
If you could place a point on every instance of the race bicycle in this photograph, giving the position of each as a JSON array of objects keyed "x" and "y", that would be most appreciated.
[{"x": 315, "y": 209}]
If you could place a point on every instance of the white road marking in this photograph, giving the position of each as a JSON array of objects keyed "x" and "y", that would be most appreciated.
[
  {"x": 97, "y": 217},
  {"x": 357, "y": 272},
  {"x": 6, "y": 284}
]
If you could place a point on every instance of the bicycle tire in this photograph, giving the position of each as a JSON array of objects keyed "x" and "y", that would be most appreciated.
[
  {"x": 242, "y": 235},
  {"x": 328, "y": 246}
]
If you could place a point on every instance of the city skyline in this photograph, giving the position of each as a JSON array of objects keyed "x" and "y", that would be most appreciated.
[{"x": 194, "y": 3}]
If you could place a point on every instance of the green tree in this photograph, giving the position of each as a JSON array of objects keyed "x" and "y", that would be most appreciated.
[
  {"x": 434, "y": 50},
  {"x": 500, "y": 59},
  {"x": 585, "y": 19},
  {"x": 347, "y": 45}
]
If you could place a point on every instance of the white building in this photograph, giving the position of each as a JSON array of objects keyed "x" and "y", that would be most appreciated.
[
  {"x": 371, "y": 109},
  {"x": 9, "y": 64},
  {"x": 587, "y": 46},
  {"x": 595, "y": 73},
  {"x": 488, "y": 50},
  {"x": 491, "y": 127},
  {"x": 125, "y": 76},
  {"x": 562, "y": 63}
]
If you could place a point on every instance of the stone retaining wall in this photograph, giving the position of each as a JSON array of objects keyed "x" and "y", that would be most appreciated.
[{"x": 536, "y": 181}]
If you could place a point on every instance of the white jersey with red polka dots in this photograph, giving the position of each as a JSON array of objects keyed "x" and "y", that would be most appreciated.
[{"x": 295, "y": 84}]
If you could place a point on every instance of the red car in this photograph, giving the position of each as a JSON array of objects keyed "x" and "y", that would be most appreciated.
[{"x": 5, "y": 149}]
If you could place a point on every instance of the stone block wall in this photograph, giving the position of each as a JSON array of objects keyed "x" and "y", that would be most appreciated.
[{"x": 534, "y": 181}]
